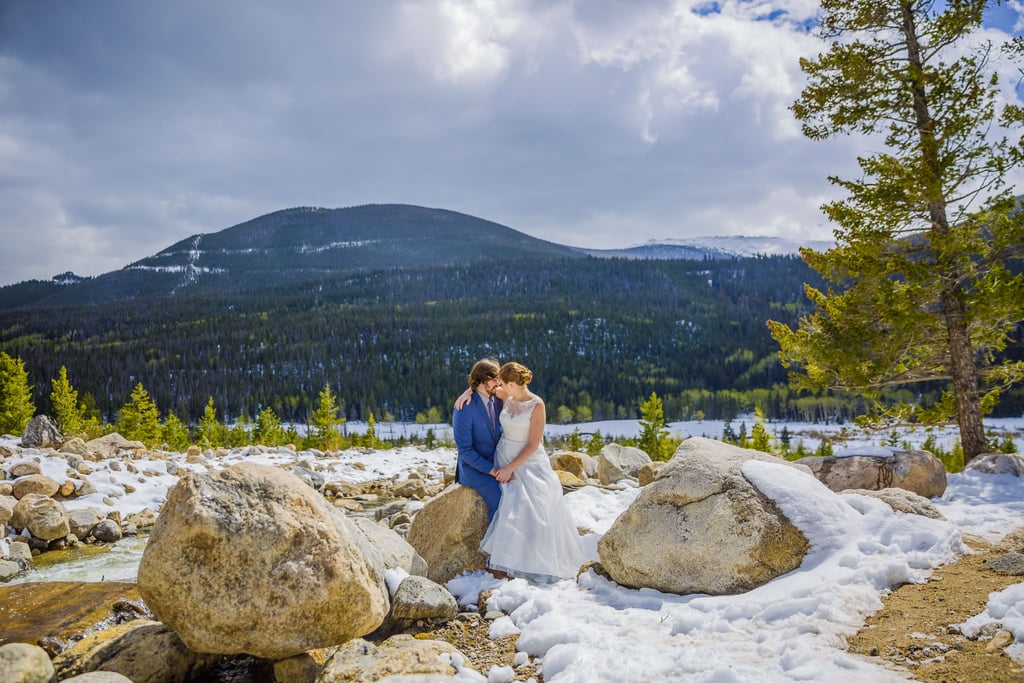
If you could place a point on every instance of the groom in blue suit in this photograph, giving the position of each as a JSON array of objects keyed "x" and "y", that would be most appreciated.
[{"x": 477, "y": 430}]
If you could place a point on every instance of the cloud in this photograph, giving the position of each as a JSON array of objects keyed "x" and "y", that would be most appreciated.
[{"x": 127, "y": 126}]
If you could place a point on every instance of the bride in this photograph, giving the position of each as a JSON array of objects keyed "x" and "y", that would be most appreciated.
[{"x": 532, "y": 534}]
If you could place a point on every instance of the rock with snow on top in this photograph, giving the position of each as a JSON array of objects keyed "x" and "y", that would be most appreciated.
[
  {"x": 902, "y": 500},
  {"x": 879, "y": 468},
  {"x": 701, "y": 527}
]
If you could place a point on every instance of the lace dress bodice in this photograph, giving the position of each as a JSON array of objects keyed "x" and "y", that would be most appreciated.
[{"x": 515, "y": 418}]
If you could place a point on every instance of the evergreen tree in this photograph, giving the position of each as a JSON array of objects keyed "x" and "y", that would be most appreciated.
[
  {"x": 920, "y": 289},
  {"x": 68, "y": 413},
  {"x": 174, "y": 433},
  {"x": 268, "y": 430},
  {"x": 595, "y": 444},
  {"x": 323, "y": 423},
  {"x": 653, "y": 437},
  {"x": 370, "y": 440},
  {"x": 16, "y": 407},
  {"x": 139, "y": 419},
  {"x": 760, "y": 439},
  {"x": 240, "y": 433},
  {"x": 210, "y": 433}
]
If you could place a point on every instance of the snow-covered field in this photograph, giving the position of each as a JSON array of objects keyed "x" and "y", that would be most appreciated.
[{"x": 791, "y": 629}]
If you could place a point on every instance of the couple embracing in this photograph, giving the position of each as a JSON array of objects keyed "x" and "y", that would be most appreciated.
[{"x": 498, "y": 426}]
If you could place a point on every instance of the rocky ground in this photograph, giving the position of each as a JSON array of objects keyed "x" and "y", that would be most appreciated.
[{"x": 913, "y": 632}]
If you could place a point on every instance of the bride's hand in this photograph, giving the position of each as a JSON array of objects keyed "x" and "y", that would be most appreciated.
[
  {"x": 464, "y": 398},
  {"x": 503, "y": 475}
]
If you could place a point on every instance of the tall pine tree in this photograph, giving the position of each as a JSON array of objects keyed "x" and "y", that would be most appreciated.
[
  {"x": 920, "y": 281},
  {"x": 16, "y": 407}
]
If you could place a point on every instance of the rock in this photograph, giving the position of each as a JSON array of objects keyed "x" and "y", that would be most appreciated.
[
  {"x": 360, "y": 661},
  {"x": 917, "y": 471},
  {"x": 143, "y": 519},
  {"x": 98, "y": 677},
  {"x": 417, "y": 598},
  {"x": 1000, "y": 641},
  {"x": 25, "y": 663},
  {"x": 701, "y": 527},
  {"x": 107, "y": 531},
  {"x": 193, "y": 450},
  {"x": 24, "y": 469},
  {"x": 298, "y": 669},
  {"x": 35, "y": 483},
  {"x": 141, "y": 650},
  {"x": 45, "y": 518},
  {"x": 74, "y": 446},
  {"x": 7, "y": 504},
  {"x": 60, "y": 612},
  {"x": 83, "y": 521},
  {"x": 252, "y": 560},
  {"x": 620, "y": 462},
  {"x": 393, "y": 550},
  {"x": 41, "y": 432},
  {"x": 1011, "y": 563},
  {"x": 649, "y": 472},
  {"x": 570, "y": 462},
  {"x": 110, "y": 445},
  {"x": 569, "y": 481},
  {"x": 447, "y": 532},
  {"x": 21, "y": 552},
  {"x": 998, "y": 463},
  {"x": 902, "y": 500},
  {"x": 411, "y": 488},
  {"x": 9, "y": 569}
]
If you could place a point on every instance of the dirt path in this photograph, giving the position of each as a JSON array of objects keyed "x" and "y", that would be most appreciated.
[{"x": 913, "y": 632}]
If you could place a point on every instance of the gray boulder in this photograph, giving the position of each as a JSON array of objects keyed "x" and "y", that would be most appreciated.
[
  {"x": 701, "y": 527},
  {"x": 998, "y": 463},
  {"x": 252, "y": 560},
  {"x": 41, "y": 432},
  {"x": 393, "y": 550},
  {"x": 616, "y": 463},
  {"x": 419, "y": 598}
]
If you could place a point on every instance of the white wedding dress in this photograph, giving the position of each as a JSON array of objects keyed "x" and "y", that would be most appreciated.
[{"x": 532, "y": 535}]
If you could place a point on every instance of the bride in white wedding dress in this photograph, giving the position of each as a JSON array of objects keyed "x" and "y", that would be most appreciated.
[{"x": 532, "y": 535}]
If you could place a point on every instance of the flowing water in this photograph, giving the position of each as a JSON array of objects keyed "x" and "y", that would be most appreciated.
[{"x": 111, "y": 562}]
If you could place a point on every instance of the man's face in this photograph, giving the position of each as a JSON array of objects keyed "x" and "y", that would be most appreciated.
[{"x": 491, "y": 385}]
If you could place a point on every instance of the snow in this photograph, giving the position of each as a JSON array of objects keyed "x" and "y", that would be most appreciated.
[{"x": 790, "y": 629}]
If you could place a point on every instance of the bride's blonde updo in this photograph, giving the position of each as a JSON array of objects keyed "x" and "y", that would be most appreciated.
[{"x": 515, "y": 372}]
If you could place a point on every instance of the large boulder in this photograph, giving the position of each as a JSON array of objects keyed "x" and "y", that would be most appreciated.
[
  {"x": 616, "y": 463},
  {"x": 44, "y": 517},
  {"x": 140, "y": 650},
  {"x": 875, "y": 469},
  {"x": 998, "y": 463},
  {"x": 701, "y": 527},
  {"x": 419, "y": 598},
  {"x": 252, "y": 560},
  {"x": 84, "y": 520},
  {"x": 571, "y": 462},
  {"x": 41, "y": 432},
  {"x": 447, "y": 532}
]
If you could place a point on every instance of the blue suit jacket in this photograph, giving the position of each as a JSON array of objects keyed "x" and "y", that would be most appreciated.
[{"x": 476, "y": 441}]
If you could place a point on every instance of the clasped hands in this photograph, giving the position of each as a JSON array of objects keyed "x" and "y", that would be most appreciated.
[{"x": 502, "y": 474}]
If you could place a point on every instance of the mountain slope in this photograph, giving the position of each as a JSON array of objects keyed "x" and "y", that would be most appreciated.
[{"x": 297, "y": 245}]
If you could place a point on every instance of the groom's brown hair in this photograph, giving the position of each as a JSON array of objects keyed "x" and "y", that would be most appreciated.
[{"x": 483, "y": 370}]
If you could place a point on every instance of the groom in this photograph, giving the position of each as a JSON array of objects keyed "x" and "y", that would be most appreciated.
[{"x": 477, "y": 430}]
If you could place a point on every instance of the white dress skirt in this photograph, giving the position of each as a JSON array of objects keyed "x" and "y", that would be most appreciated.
[{"x": 532, "y": 535}]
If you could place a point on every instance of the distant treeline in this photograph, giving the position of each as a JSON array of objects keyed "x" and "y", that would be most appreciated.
[{"x": 600, "y": 334}]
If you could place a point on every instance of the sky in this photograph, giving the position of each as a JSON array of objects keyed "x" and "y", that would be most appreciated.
[
  {"x": 793, "y": 628},
  {"x": 127, "y": 126}
]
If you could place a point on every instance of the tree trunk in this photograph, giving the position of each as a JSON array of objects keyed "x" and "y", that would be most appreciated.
[{"x": 964, "y": 374}]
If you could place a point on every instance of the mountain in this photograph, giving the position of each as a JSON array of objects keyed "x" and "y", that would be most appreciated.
[
  {"x": 713, "y": 247},
  {"x": 293, "y": 246}
]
